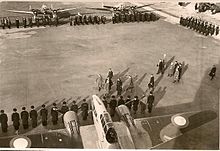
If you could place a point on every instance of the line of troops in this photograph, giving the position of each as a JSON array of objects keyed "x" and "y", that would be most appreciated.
[
  {"x": 86, "y": 20},
  {"x": 33, "y": 115},
  {"x": 200, "y": 26},
  {"x": 135, "y": 17},
  {"x": 26, "y": 22}
]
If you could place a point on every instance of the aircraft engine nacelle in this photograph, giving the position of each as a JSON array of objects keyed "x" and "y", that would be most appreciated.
[{"x": 71, "y": 123}]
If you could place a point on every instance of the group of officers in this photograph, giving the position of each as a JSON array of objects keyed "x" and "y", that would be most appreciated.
[
  {"x": 133, "y": 17},
  {"x": 200, "y": 26},
  {"x": 27, "y": 22},
  {"x": 86, "y": 20},
  {"x": 33, "y": 115}
]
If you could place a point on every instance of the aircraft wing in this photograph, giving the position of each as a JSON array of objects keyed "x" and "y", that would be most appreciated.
[
  {"x": 144, "y": 5},
  {"x": 102, "y": 9},
  {"x": 65, "y": 10},
  {"x": 50, "y": 139},
  {"x": 155, "y": 131},
  {"x": 21, "y": 12}
]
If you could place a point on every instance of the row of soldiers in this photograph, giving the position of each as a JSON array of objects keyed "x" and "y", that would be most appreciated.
[
  {"x": 136, "y": 17},
  {"x": 200, "y": 26},
  {"x": 86, "y": 20},
  {"x": 43, "y": 113},
  {"x": 27, "y": 22}
]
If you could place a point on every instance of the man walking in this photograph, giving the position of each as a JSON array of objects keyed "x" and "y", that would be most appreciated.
[
  {"x": 212, "y": 72},
  {"x": 150, "y": 101}
]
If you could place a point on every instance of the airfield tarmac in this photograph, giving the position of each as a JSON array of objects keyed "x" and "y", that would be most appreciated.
[{"x": 52, "y": 63}]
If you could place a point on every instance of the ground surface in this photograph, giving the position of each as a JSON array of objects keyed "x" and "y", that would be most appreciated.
[{"x": 42, "y": 65}]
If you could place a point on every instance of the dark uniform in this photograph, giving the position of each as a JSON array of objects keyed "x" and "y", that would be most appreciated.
[
  {"x": 180, "y": 71},
  {"x": 150, "y": 101},
  {"x": 54, "y": 114},
  {"x": 37, "y": 22},
  {"x": 9, "y": 23},
  {"x": 24, "y": 22},
  {"x": 30, "y": 22},
  {"x": 217, "y": 30},
  {"x": 33, "y": 117},
  {"x": 110, "y": 74},
  {"x": 128, "y": 102},
  {"x": 119, "y": 86},
  {"x": 112, "y": 106},
  {"x": 151, "y": 83},
  {"x": 64, "y": 109},
  {"x": 160, "y": 67},
  {"x": 84, "y": 108},
  {"x": 17, "y": 22},
  {"x": 4, "y": 121},
  {"x": 24, "y": 118},
  {"x": 74, "y": 107},
  {"x": 121, "y": 101},
  {"x": 43, "y": 114},
  {"x": 15, "y": 119},
  {"x": 212, "y": 72},
  {"x": 135, "y": 104}
]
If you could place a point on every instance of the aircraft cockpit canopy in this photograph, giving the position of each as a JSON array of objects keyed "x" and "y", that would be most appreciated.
[{"x": 111, "y": 135}]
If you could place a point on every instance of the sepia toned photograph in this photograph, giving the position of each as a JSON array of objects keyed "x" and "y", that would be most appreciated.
[{"x": 109, "y": 75}]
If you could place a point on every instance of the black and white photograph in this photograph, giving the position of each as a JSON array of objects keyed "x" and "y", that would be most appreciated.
[{"x": 109, "y": 75}]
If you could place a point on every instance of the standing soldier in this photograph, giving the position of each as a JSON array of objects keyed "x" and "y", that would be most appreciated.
[
  {"x": 160, "y": 67},
  {"x": 212, "y": 72},
  {"x": 33, "y": 116},
  {"x": 180, "y": 71},
  {"x": 112, "y": 105},
  {"x": 30, "y": 22},
  {"x": 64, "y": 109},
  {"x": 105, "y": 102},
  {"x": 176, "y": 75},
  {"x": 217, "y": 30},
  {"x": 24, "y": 22},
  {"x": 37, "y": 22},
  {"x": 17, "y": 22},
  {"x": 135, "y": 104},
  {"x": 110, "y": 74},
  {"x": 175, "y": 66},
  {"x": 74, "y": 107},
  {"x": 119, "y": 86},
  {"x": 150, "y": 101},
  {"x": 54, "y": 114},
  {"x": 4, "y": 121},
  {"x": 24, "y": 118},
  {"x": 121, "y": 101},
  {"x": 151, "y": 83},
  {"x": 128, "y": 102},
  {"x": 43, "y": 114},
  {"x": 9, "y": 22},
  {"x": 171, "y": 70},
  {"x": 84, "y": 108},
  {"x": 16, "y": 120},
  {"x": 71, "y": 21},
  {"x": 108, "y": 85},
  {"x": 3, "y": 23}
]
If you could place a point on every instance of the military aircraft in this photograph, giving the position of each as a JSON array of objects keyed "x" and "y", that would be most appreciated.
[
  {"x": 128, "y": 133},
  {"x": 122, "y": 8},
  {"x": 202, "y": 7},
  {"x": 45, "y": 11}
]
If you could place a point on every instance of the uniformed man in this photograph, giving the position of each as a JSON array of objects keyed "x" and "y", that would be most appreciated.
[
  {"x": 3, "y": 23},
  {"x": 103, "y": 19},
  {"x": 74, "y": 107},
  {"x": 16, "y": 120},
  {"x": 43, "y": 114},
  {"x": 150, "y": 101},
  {"x": 160, "y": 67},
  {"x": 33, "y": 117},
  {"x": 110, "y": 73},
  {"x": 112, "y": 105},
  {"x": 85, "y": 20},
  {"x": 217, "y": 30},
  {"x": 64, "y": 108},
  {"x": 37, "y": 22},
  {"x": 212, "y": 72},
  {"x": 180, "y": 71},
  {"x": 24, "y": 22},
  {"x": 4, "y": 121},
  {"x": 121, "y": 101},
  {"x": 128, "y": 102},
  {"x": 135, "y": 104},
  {"x": 24, "y": 118},
  {"x": 71, "y": 21},
  {"x": 181, "y": 20},
  {"x": 84, "y": 108},
  {"x": 105, "y": 102},
  {"x": 9, "y": 22},
  {"x": 54, "y": 114},
  {"x": 119, "y": 86},
  {"x": 17, "y": 22},
  {"x": 151, "y": 83}
]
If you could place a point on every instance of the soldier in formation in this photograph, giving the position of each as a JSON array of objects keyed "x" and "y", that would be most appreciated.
[
  {"x": 33, "y": 117},
  {"x": 4, "y": 121}
]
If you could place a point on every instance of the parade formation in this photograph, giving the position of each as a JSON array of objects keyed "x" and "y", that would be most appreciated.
[{"x": 68, "y": 63}]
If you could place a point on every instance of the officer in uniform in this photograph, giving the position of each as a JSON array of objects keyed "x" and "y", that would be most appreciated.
[
  {"x": 150, "y": 101},
  {"x": 17, "y": 22},
  {"x": 74, "y": 107},
  {"x": 128, "y": 102},
  {"x": 135, "y": 104},
  {"x": 3, "y": 23},
  {"x": 33, "y": 117},
  {"x": 217, "y": 30},
  {"x": 16, "y": 120},
  {"x": 85, "y": 20},
  {"x": 37, "y": 22},
  {"x": 212, "y": 72},
  {"x": 119, "y": 86},
  {"x": 121, "y": 101},
  {"x": 151, "y": 83},
  {"x": 64, "y": 109},
  {"x": 9, "y": 22},
  {"x": 181, "y": 20},
  {"x": 30, "y": 22},
  {"x": 84, "y": 108},
  {"x": 112, "y": 106},
  {"x": 24, "y": 118},
  {"x": 4, "y": 121},
  {"x": 71, "y": 21},
  {"x": 54, "y": 114},
  {"x": 132, "y": 17},
  {"x": 105, "y": 102},
  {"x": 24, "y": 22},
  {"x": 103, "y": 19},
  {"x": 43, "y": 114},
  {"x": 110, "y": 74}
]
